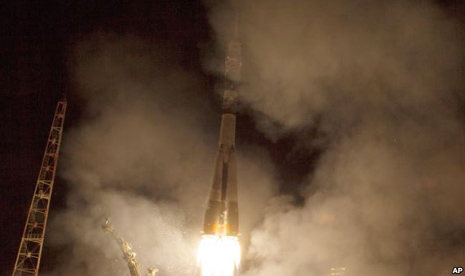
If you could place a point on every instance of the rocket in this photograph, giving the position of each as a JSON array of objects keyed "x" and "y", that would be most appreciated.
[{"x": 221, "y": 216}]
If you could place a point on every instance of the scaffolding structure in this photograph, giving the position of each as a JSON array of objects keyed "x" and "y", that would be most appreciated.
[{"x": 32, "y": 241}]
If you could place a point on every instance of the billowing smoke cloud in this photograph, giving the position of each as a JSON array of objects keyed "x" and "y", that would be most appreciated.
[
  {"x": 144, "y": 156},
  {"x": 380, "y": 81}
]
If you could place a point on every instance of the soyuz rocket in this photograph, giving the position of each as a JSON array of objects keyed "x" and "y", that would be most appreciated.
[{"x": 221, "y": 216}]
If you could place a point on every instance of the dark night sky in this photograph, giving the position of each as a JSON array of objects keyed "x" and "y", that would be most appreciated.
[{"x": 36, "y": 40}]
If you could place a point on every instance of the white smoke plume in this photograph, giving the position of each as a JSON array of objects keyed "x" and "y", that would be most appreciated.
[
  {"x": 144, "y": 156},
  {"x": 380, "y": 81}
]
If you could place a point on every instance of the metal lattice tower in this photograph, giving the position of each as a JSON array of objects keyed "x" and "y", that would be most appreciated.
[{"x": 30, "y": 250}]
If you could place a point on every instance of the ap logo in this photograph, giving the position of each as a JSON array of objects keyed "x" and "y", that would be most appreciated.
[{"x": 457, "y": 270}]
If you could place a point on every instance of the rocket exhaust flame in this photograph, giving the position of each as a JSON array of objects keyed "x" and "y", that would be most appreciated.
[{"x": 219, "y": 255}]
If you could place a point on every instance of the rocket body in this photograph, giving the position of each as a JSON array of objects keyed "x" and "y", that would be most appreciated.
[{"x": 221, "y": 216}]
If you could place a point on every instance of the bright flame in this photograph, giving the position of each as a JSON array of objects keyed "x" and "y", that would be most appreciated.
[{"x": 219, "y": 255}]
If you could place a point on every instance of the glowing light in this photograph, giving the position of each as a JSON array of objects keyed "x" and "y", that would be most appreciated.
[{"x": 219, "y": 255}]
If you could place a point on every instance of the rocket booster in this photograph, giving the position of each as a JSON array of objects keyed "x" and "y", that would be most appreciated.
[{"x": 221, "y": 216}]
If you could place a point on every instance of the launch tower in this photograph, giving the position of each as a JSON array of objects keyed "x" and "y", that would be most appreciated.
[{"x": 30, "y": 249}]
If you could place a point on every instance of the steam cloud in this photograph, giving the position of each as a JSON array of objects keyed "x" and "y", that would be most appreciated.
[
  {"x": 143, "y": 156},
  {"x": 380, "y": 81}
]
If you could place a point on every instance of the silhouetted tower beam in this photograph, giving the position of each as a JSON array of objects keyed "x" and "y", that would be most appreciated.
[{"x": 32, "y": 242}]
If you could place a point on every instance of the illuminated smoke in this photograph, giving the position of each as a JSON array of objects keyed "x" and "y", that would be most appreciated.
[
  {"x": 378, "y": 81},
  {"x": 143, "y": 155},
  {"x": 380, "y": 86}
]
